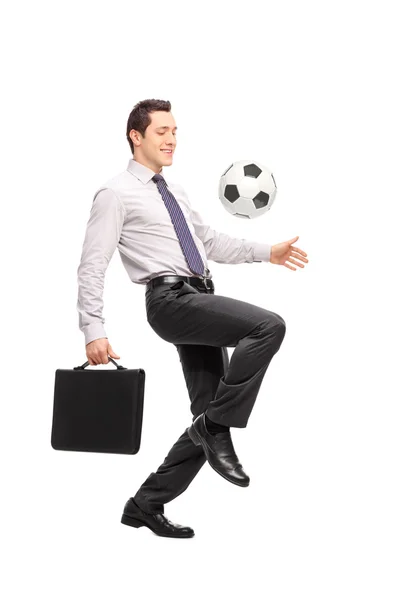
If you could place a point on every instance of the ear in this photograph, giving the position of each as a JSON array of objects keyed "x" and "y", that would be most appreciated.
[{"x": 133, "y": 134}]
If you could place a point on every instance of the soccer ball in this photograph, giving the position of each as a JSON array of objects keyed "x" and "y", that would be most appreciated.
[{"x": 247, "y": 189}]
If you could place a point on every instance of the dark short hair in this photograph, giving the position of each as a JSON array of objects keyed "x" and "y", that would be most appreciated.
[{"x": 139, "y": 118}]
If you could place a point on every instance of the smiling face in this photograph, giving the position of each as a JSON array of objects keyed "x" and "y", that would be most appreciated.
[{"x": 159, "y": 136}]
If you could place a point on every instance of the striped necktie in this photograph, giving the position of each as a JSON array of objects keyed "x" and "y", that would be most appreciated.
[{"x": 185, "y": 238}]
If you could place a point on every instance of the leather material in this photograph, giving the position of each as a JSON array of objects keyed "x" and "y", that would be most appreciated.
[
  {"x": 158, "y": 523},
  {"x": 87, "y": 416},
  {"x": 203, "y": 284},
  {"x": 219, "y": 451}
]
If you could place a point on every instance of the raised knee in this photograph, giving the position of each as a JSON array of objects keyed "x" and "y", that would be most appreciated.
[
  {"x": 274, "y": 324},
  {"x": 279, "y": 328}
]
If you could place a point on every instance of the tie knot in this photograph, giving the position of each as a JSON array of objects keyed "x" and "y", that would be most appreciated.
[{"x": 158, "y": 177}]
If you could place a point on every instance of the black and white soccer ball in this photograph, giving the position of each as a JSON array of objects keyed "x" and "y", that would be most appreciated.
[{"x": 247, "y": 189}]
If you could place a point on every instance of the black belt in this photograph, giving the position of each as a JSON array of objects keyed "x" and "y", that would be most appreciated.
[{"x": 200, "y": 282}]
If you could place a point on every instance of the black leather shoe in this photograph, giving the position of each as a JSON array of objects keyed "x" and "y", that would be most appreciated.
[
  {"x": 158, "y": 523},
  {"x": 219, "y": 451}
]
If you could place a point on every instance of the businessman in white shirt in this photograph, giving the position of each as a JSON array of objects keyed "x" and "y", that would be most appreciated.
[{"x": 165, "y": 245}]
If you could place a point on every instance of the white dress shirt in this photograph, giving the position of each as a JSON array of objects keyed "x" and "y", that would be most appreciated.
[{"x": 128, "y": 213}]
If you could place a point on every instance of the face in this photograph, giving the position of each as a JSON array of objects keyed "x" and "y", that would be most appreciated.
[{"x": 160, "y": 136}]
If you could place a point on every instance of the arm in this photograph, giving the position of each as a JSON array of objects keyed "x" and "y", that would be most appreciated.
[
  {"x": 222, "y": 248},
  {"x": 103, "y": 232}
]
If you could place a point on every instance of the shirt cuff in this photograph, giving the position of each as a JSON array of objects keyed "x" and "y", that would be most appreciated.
[
  {"x": 262, "y": 252},
  {"x": 94, "y": 331}
]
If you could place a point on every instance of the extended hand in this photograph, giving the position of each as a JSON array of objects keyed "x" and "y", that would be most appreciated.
[{"x": 280, "y": 253}]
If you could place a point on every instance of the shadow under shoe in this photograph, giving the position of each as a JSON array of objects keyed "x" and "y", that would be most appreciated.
[
  {"x": 157, "y": 523},
  {"x": 219, "y": 451}
]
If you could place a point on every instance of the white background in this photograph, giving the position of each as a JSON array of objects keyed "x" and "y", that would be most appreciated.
[{"x": 309, "y": 89}]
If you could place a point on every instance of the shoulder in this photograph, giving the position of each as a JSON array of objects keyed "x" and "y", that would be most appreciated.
[
  {"x": 117, "y": 189},
  {"x": 118, "y": 183}
]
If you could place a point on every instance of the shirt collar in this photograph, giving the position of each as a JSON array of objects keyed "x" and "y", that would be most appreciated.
[{"x": 141, "y": 171}]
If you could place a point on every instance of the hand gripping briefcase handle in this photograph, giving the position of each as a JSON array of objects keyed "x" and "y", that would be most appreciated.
[{"x": 87, "y": 363}]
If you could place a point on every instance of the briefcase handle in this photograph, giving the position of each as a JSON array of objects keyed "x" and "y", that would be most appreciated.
[{"x": 87, "y": 363}]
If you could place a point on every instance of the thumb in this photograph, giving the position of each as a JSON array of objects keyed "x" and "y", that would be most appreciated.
[
  {"x": 293, "y": 240},
  {"x": 112, "y": 353}
]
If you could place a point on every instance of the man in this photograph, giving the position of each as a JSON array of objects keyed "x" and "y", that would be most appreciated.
[{"x": 165, "y": 245}]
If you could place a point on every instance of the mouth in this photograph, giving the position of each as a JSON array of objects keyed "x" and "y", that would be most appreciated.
[{"x": 166, "y": 151}]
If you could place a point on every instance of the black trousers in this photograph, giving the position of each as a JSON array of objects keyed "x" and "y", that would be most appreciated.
[{"x": 202, "y": 325}]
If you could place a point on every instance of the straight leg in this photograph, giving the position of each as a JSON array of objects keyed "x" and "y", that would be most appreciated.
[{"x": 203, "y": 367}]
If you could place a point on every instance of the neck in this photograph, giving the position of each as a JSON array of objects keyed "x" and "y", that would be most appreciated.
[{"x": 154, "y": 167}]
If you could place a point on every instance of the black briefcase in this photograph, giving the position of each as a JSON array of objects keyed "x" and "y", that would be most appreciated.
[{"x": 98, "y": 410}]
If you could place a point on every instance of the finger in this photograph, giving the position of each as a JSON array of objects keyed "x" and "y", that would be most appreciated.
[
  {"x": 303, "y": 260},
  {"x": 295, "y": 262},
  {"x": 299, "y": 251},
  {"x": 289, "y": 267},
  {"x": 299, "y": 256}
]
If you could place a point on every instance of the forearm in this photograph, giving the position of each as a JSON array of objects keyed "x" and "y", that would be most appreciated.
[
  {"x": 224, "y": 249},
  {"x": 90, "y": 301}
]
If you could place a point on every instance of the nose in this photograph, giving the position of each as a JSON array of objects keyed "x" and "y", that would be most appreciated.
[{"x": 172, "y": 139}]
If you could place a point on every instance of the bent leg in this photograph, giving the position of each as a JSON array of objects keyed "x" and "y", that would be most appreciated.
[
  {"x": 238, "y": 388},
  {"x": 191, "y": 318}
]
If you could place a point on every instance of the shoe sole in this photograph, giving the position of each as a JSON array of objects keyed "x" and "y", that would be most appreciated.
[
  {"x": 197, "y": 440},
  {"x": 132, "y": 522}
]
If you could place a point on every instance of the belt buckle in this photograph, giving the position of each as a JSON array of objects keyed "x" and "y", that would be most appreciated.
[{"x": 204, "y": 277}]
